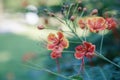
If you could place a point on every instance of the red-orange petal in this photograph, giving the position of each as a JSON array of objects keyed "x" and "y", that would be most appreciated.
[
  {"x": 50, "y": 46},
  {"x": 58, "y": 49},
  {"x": 79, "y": 48},
  {"x": 87, "y": 44},
  {"x": 92, "y": 49},
  {"x": 96, "y": 24},
  {"x": 60, "y": 35},
  {"x": 81, "y": 24},
  {"x": 65, "y": 43},
  {"x": 89, "y": 54},
  {"x": 55, "y": 55},
  {"x": 79, "y": 55},
  {"x": 51, "y": 37},
  {"x": 111, "y": 23}
]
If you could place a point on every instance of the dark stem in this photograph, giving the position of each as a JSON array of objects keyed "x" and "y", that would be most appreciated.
[
  {"x": 58, "y": 65},
  {"x": 81, "y": 67}
]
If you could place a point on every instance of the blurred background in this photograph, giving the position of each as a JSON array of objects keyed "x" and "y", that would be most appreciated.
[{"x": 21, "y": 43}]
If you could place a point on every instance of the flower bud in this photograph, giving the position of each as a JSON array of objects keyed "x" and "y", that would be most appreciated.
[
  {"x": 72, "y": 18},
  {"x": 82, "y": 23},
  {"x": 84, "y": 9},
  {"x": 94, "y": 11},
  {"x": 79, "y": 8},
  {"x": 40, "y": 27}
]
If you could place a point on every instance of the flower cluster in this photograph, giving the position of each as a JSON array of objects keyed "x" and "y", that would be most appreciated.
[
  {"x": 57, "y": 44},
  {"x": 96, "y": 24}
]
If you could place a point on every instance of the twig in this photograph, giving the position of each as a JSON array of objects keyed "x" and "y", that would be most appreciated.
[{"x": 101, "y": 56}]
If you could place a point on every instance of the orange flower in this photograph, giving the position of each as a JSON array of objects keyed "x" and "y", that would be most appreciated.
[
  {"x": 96, "y": 24},
  {"x": 111, "y": 23},
  {"x": 57, "y": 43},
  {"x": 85, "y": 50},
  {"x": 81, "y": 23}
]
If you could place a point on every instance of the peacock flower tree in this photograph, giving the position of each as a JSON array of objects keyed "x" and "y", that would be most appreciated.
[{"x": 74, "y": 18}]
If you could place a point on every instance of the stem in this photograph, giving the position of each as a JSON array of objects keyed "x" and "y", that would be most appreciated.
[
  {"x": 75, "y": 8},
  {"x": 78, "y": 36},
  {"x": 84, "y": 33},
  {"x": 59, "y": 19},
  {"x": 102, "y": 74},
  {"x": 51, "y": 29},
  {"x": 68, "y": 11},
  {"x": 73, "y": 31},
  {"x": 87, "y": 74},
  {"x": 81, "y": 67},
  {"x": 101, "y": 43},
  {"x": 74, "y": 26},
  {"x": 44, "y": 69},
  {"x": 82, "y": 14},
  {"x": 69, "y": 51},
  {"x": 58, "y": 65},
  {"x": 57, "y": 74},
  {"x": 66, "y": 32},
  {"x": 74, "y": 42},
  {"x": 101, "y": 56},
  {"x": 58, "y": 29}
]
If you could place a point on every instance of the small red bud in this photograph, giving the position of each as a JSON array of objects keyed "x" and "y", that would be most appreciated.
[
  {"x": 79, "y": 8},
  {"x": 94, "y": 11},
  {"x": 84, "y": 9},
  {"x": 72, "y": 18},
  {"x": 40, "y": 27}
]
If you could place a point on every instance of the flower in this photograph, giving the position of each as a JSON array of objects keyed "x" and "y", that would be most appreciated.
[
  {"x": 96, "y": 24},
  {"x": 85, "y": 50},
  {"x": 57, "y": 44},
  {"x": 81, "y": 23},
  {"x": 111, "y": 23}
]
